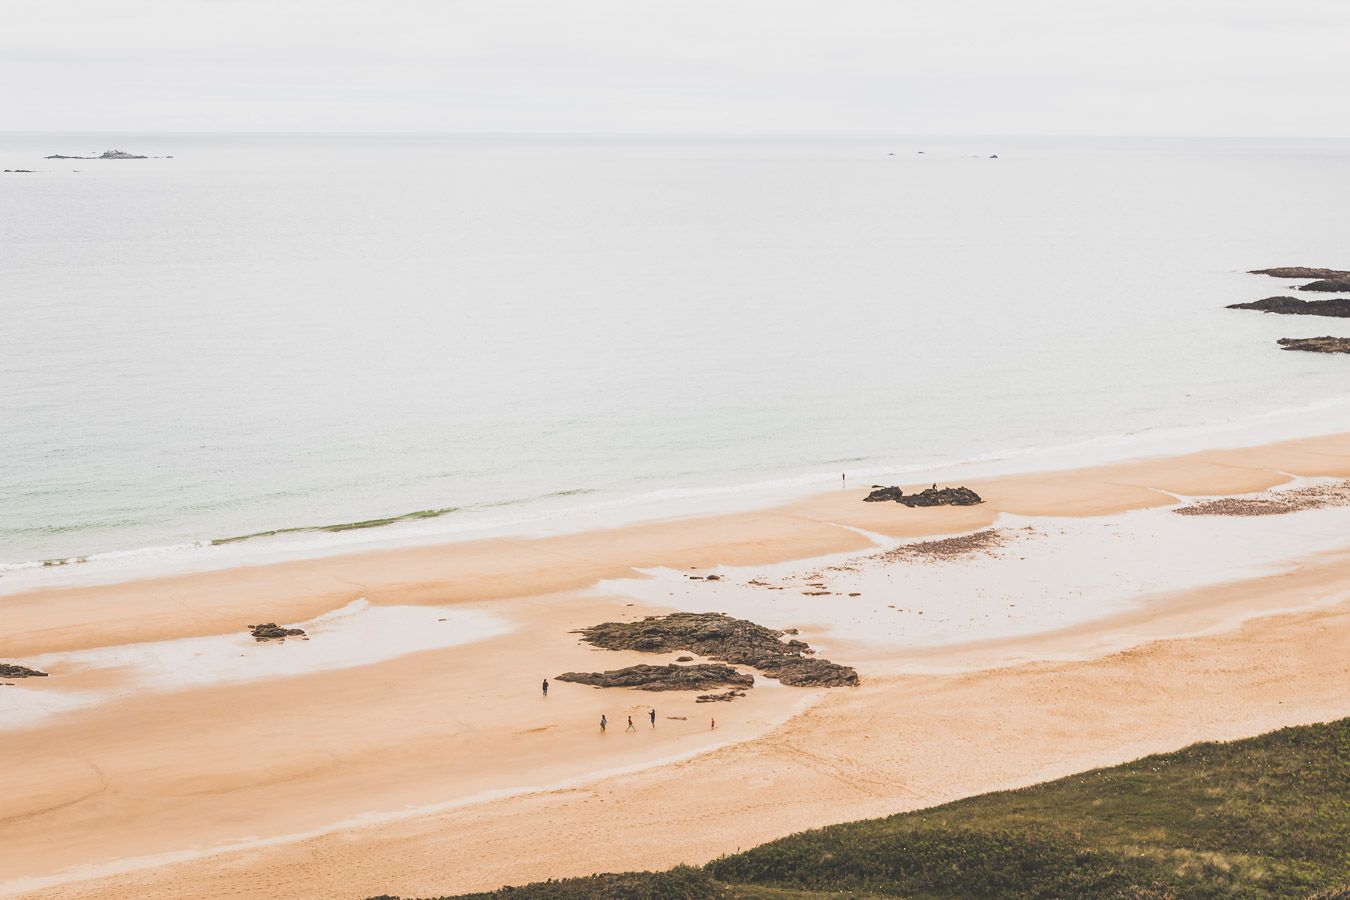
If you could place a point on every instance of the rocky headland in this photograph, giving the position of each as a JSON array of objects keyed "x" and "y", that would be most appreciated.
[
  {"x": 1328, "y": 281},
  {"x": 1324, "y": 344},
  {"x": 933, "y": 496},
  {"x": 1301, "y": 272},
  {"x": 698, "y": 677},
  {"x": 721, "y": 637},
  {"x": 1338, "y": 307},
  {"x": 1328, "y": 285},
  {"x": 271, "y": 631}
]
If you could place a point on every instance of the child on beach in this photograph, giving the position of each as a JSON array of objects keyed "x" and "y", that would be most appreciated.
[{"x": 631, "y": 726}]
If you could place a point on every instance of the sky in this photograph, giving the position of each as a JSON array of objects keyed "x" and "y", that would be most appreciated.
[{"x": 1127, "y": 67}]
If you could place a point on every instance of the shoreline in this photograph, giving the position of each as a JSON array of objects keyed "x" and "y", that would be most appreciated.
[
  {"x": 364, "y": 776},
  {"x": 216, "y": 601},
  {"x": 430, "y": 527}
]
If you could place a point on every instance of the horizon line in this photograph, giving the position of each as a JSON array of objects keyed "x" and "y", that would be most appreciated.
[{"x": 677, "y": 134}]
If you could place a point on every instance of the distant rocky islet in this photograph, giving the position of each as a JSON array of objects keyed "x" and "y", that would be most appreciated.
[{"x": 106, "y": 154}]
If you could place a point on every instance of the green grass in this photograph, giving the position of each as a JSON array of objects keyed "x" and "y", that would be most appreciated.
[{"x": 1265, "y": 817}]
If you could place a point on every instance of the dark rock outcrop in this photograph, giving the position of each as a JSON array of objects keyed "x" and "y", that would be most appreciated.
[
  {"x": 714, "y": 698},
  {"x": 880, "y": 493},
  {"x": 721, "y": 637},
  {"x": 21, "y": 171},
  {"x": 1300, "y": 272},
  {"x": 10, "y": 670},
  {"x": 934, "y": 496},
  {"x": 271, "y": 631},
  {"x": 1328, "y": 285},
  {"x": 1324, "y": 344},
  {"x": 1293, "y": 306},
  {"x": 698, "y": 677}
]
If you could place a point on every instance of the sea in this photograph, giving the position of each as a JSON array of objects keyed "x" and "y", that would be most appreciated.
[{"x": 252, "y": 346}]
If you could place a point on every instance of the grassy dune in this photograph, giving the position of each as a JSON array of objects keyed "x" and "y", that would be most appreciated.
[{"x": 1263, "y": 817}]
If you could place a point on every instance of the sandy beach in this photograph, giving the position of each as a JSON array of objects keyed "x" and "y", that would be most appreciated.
[{"x": 405, "y": 748}]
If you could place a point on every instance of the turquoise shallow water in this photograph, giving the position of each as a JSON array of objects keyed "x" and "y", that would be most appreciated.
[{"x": 271, "y": 332}]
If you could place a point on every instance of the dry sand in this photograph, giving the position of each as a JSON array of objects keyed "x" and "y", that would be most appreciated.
[{"x": 445, "y": 770}]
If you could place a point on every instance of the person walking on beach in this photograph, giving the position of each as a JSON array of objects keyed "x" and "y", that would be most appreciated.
[
  {"x": 545, "y": 687},
  {"x": 653, "y": 715},
  {"x": 631, "y": 726},
  {"x": 712, "y": 726},
  {"x": 603, "y": 723}
]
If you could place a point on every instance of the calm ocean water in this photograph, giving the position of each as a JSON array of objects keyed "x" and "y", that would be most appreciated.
[{"x": 273, "y": 332}]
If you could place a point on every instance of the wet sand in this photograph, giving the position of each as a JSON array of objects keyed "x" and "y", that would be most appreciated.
[{"x": 445, "y": 770}]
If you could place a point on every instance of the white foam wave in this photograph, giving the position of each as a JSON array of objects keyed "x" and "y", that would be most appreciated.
[{"x": 564, "y": 513}]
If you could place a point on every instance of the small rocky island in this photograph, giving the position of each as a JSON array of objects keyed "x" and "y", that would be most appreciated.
[
  {"x": 714, "y": 636},
  {"x": 1334, "y": 281},
  {"x": 1294, "y": 306},
  {"x": 933, "y": 496},
  {"x": 1328, "y": 281},
  {"x": 1302, "y": 272},
  {"x": 1324, "y": 344},
  {"x": 106, "y": 154}
]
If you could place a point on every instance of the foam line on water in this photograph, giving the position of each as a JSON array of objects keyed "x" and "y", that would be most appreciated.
[{"x": 560, "y": 514}]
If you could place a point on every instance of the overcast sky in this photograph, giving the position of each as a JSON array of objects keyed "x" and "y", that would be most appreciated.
[{"x": 1157, "y": 67}]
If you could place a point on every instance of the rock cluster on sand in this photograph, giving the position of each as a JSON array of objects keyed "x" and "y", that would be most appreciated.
[
  {"x": 10, "y": 670},
  {"x": 934, "y": 496},
  {"x": 986, "y": 541},
  {"x": 698, "y": 677},
  {"x": 715, "y": 698},
  {"x": 1272, "y": 503},
  {"x": 718, "y": 636},
  {"x": 1292, "y": 306},
  {"x": 271, "y": 631},
  {"x": 1324, "y": 344}
]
